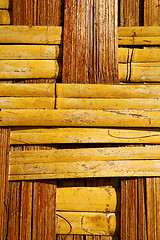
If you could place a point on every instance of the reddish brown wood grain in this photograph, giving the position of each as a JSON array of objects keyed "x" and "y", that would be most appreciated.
[
  {"x": 151, "y": 13},
  {"x": 35, "y": 12},
  {"x": 4, "y": 170},
  {"x": 90, "y": 42},
  {"x": 153, "y": 208}
]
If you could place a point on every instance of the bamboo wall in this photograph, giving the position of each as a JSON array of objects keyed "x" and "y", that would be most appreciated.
[{"x": 28, "y": 216}]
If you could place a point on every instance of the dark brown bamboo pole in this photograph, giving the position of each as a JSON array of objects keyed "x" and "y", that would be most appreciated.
[
  {"x": 90, "y": 42},
  {"x": 4, "y": 170}
]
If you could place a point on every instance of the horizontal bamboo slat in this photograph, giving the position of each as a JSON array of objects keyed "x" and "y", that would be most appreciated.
[
  {"x": 80, "y": 118},
  {"x": 141, "y": 72},
  {"x": 31, "y": 35},
  {"x": 78, "y": 163},
  {"x": 5, "y": 4},
  {"x": 139, "y": 55},
  {"x": 87, "y": 199},
  {"x": 121, "y": 168},
  {"x": 5, "y": 18},
  {"x": 27, "y": 90},
  {"x": 107, "y": 91},
  {"x": 30, "y": 52},
  {"x": 26, "y": 103},
  {"x": 139, "y": 35},
  {"x": 13, "y": 69},
  {"x": 86, "y": 223},
  {"x": 83, "y": 135},
  {"x": 107, "y": 104}
]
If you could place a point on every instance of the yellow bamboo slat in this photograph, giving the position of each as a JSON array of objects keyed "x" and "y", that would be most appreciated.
[
  {"x": 80, "y": 118},
  {"x": 30, "y": 52},
  {"x": 139, "y": 35},
  {"x": 87, "y": 199},
  {"x": 86, "y": 223},
  {"x": 107, "y": 104},
  {"x": 107, "y": 91},
  {"x": 26, "y": 103},
  {"x": 57, "y": 170},
  {"x": 139, "y": 55},
  {"x": 141, "y": 72},
  {"x": 84, "y": 155},
  {"x": 5, "y": 18},
  {"x": 5, "y": 4},
  {"x": 77, "y": 163},
  {"x": 27, "y": 90},
  {"x": 83, "y": 135},
  {"x": 31, "y": 35},
  {"x": 13, "y": 69}
]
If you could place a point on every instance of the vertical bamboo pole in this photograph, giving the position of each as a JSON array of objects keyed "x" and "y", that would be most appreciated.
[
  {"x": 35, "y": 12},
  {"x": 152, "y": 18},
  {"x": 4, "y": 169},
  {"x": 90, "y": 42}
]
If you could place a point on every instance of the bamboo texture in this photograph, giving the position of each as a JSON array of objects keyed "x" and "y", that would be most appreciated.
[
  {"x": 5, "y": 4},
  {"x": 40, "y": 13},
  {"x": 4, "y": 174},
  {"x": 83, "y": 135},
  {"x": 5, "y": 18},
  {"x": 90, "y": 52}
]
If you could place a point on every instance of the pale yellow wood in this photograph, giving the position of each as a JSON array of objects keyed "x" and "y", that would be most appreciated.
[
  {"x": 107, "y": 104},
  {"x": 5, "y": 4},
  {"x": 139, "y": 55},
  {"x": 83, "y": 135},
  {"x": 141, "y": 72},
  {"x": 80, "y": 118},
  {"x": 33, "y": 34},
  {"x": 5, "y": 17},
  {"x": 107, "y": 91},
  {"x": 30, "y": 52},
  {"x": 87, "y": 199},
  {"x": 13, "y": 69},
  {"x": 27, "y": 90},
  {"x": 57, "y": 170},
  {"x": 27, "y": 103},
  {"x": 139, "y": 41},
  {"x": 152, "y": 31},
  {"x": 84, "y": 155},
  {"x": 86, "y": 223}
]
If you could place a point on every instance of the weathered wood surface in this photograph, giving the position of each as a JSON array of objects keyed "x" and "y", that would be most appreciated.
[
  {"x": 140, "y": 72},
  {"x": 31, "y": 35},
  {"x": 44, "y": 206},
  {"x": 133, "y": 219},
  {"x": 90, "y": 42},
  {"x": 87, "y": 199},
  {"x": 139, "y": 35},
  {"x": 13, "y": 69},
  {"x": 153, "y": 207},
  {"x": 107, "y": 104},
  {"x": 30, "y": 52},
  {"x": 86, "y": 223},
  {"x": 83, "y": 135},
  {"x": 74, "y": 163},
  {"x": 130, "y": 13},
  {"x": 151, "y": 13},
  {"x": 26, "y": 103},
  {"x": 5, "y": 17},
  {"x": 14, "y": 210},
  {"x": 4, "y": 174},
  {"x": 38, "y": 12},
  {"x": 107, "y": 91},
  {"x": 27, "y": 90},
  {"x": 80, "y": 118},
  {"x": 5, "y": 4},
  {"x": 26, "y": 211},
  {"x": 138, "y": 55}
]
